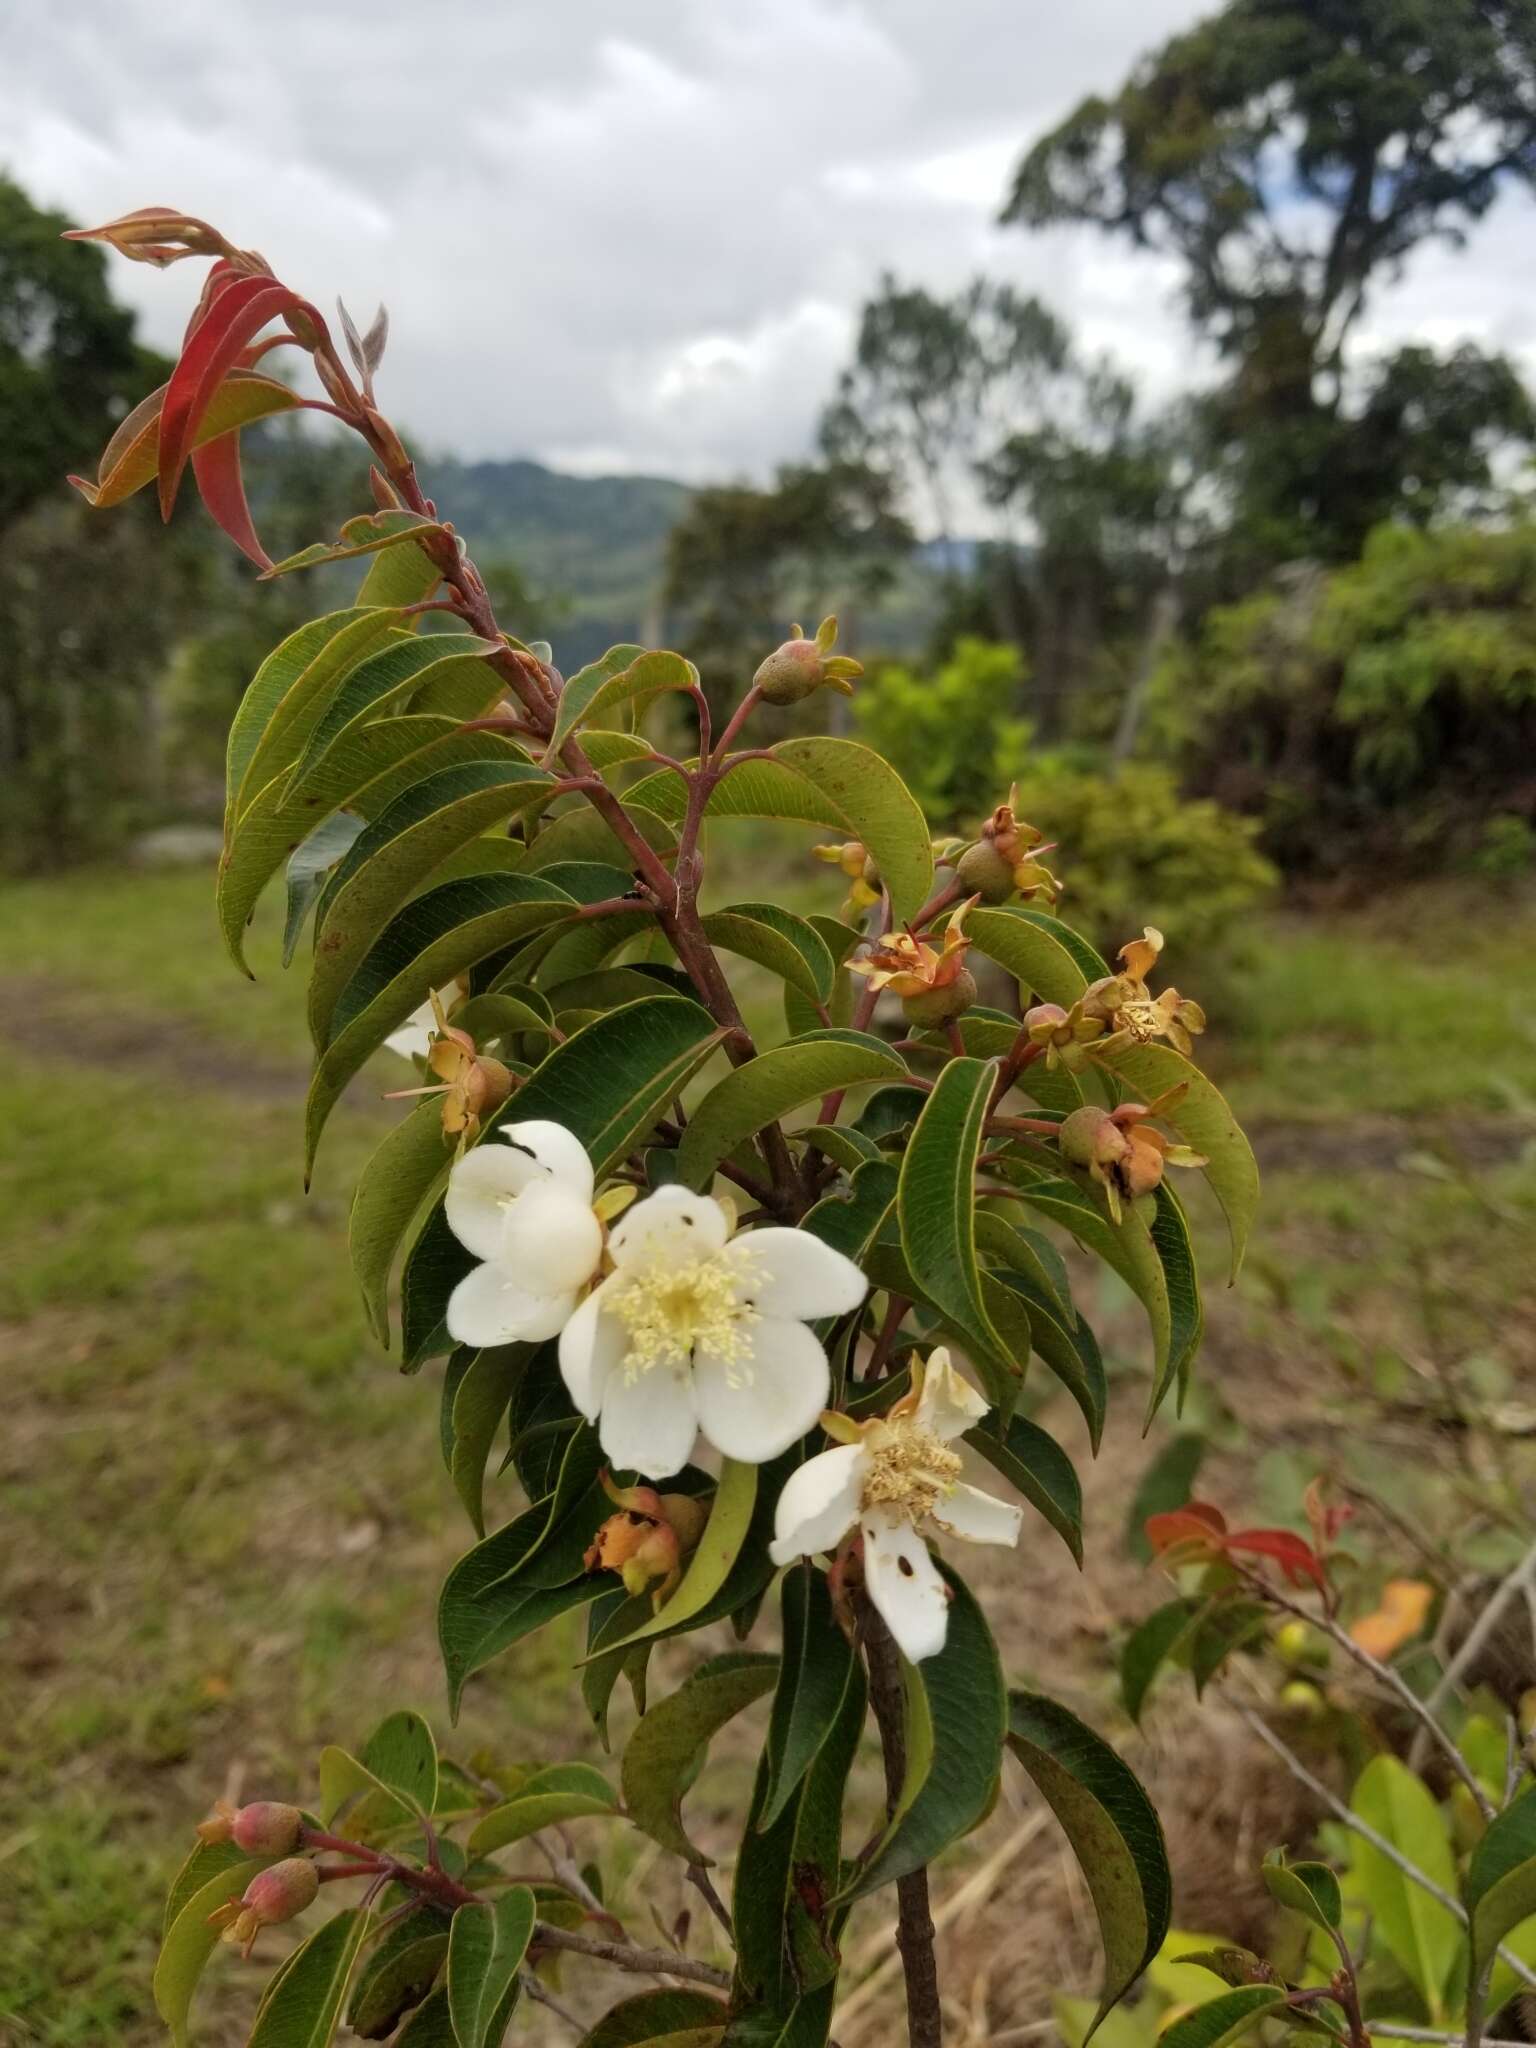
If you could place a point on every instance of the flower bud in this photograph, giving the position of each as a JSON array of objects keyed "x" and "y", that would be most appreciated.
[
  {"x": 800, "y": 666},
  {"x": 983, "y": 871},
  {"x": 944, "y": 1001},
  {"x": 279, "y": 1893},
  {"x": 267, "y": 1828}
]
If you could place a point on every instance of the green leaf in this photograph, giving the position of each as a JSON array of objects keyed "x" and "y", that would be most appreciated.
[
  {"x": 399, "y": 850},
  {"x": 936, "y": 1200},
  {"x": 400, "y": 575},
  {"x": 1035, "y": 949},
  {"x": 1500, "y": 1888},
  {"x": 1031, "y": 1460},
  {"x": 398, "y": 1976},
  {"x": 1204, "y": 1120},
  {"x": 1112, "y": 1827},
  {"x": 709, "y": 1568},
  {"x": 549, "y": 1797},
  {"x": 441, "y": 674},
  {"x": 1422, "y": 1935},
  {"x": 758, "y": 1094},
  {"x": 813, "y": 1677},
  {"x": 624, "y": 675},
  {"x": 308, "y": 867},
  {"x": 1031, "y": 1257},
  {"x": 607, "y": 1084},
  {"x": 786, "y": 945},
  {"x": 662, "y": 1754},
  {"x": 825, "y": 782},
  {"x": 486, "y": 1946},
  {"x": 583, "y": 835},
  {"x": 785, "y": 1910},
  {"x": 365, "y": 535},
  {"x": 203, "y": 1863},
  {"x": 437, "y": 936},
  {"x": 1310, "y": 1889},
  {"x": 402, "y": 1755},
  {"x": 190, "y": 1941},
  {"x": 1222, "y": 2019},
  {"x": 303, "y": 2005},
  {"x": 240, "y": 400},
  {"x": 1186, "y": 1311},
  {"x": 390, "y": 1189},
  {"x": 366, "y": 774},
  {"x": 1125, "y": 1247},
  {"x": 961, "y": 1709},
  {"x": 649, "y": 2017},
  {"x": 479, "y": 1402},
  {"x": 841, "y": 1143},
  {"x": 1149, "y": 1646},
  {"x": 1167, "y": 1483},
  {"x": 1064, "y": 1340}
]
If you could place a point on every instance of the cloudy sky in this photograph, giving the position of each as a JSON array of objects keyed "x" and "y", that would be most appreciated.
[{"x": 627, "y": 234}]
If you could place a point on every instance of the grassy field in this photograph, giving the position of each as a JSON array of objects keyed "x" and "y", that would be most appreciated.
[{"x": 222, "y": 1518}]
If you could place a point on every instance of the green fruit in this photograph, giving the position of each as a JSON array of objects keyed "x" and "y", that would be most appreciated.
[
  {"x": 982, "y": 871},
  {"x": 790, "y": 673},
  {"x": 938, "y": 1005}
]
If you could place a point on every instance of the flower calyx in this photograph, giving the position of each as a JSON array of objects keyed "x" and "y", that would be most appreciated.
[
  {"x": 1005, "y": 861},
  {"x": 648, "y": 1540},
  {"x": 281, "y": 1892},
  {"x": 471, "y": 1083},
  {"x": 1120, "y": 1149},
  {"x": 1133, "y": 1015},
  {"x": 934, "y": 983},
  {"x": 800, "y": 667}
]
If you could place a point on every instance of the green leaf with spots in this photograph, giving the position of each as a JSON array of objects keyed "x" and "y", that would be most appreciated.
[
  {"x": 663, "y": 1754},
  {"x": 753, "y": 1096},
  {"x": 1112, "y": 1827}
]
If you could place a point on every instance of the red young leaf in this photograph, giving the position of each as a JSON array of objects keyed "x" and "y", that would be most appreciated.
[
  {"x": 1294, "y": 1555},
  {"x": 1195, "y": 1524},
  {"x": 232, "y": 322},
  {"x": 216, "y": 465}
]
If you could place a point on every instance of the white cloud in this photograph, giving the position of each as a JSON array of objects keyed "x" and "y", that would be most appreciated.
[{"x": 632, "y": 233}]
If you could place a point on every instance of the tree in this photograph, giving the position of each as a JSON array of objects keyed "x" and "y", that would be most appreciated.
[
  {"x": 1290, "y": 153},
  {"x": 69, "y": 363}
]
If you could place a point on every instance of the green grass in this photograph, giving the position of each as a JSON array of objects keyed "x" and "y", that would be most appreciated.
[{"x": 224, "y": 1520}]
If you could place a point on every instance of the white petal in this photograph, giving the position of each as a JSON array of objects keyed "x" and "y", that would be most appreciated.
[
  {"x": 818, "y": 1504},
  {"x": 591, "y": 1345},
  {"x": 549, "y": 1151},
  {"x": 667, "y": 1228},
  {"x": 648, "y": 1423},
  {"x": 904, "y": 1584},
  {"x": 948, "y": 1405},
  {"x": 482, "y": 1187},
  {"x": 977, "y": 1516},
  {"x": 551, "y": 1238},
  {"x": 792, "y": 1273},
  {"x": 489, "y": 1307},
  {"x": 414, "y": 1038},
  {"x": 762, "y": 1402}
]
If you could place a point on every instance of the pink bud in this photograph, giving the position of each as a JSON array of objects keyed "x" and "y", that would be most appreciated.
[
  {"x": 267, "y": 1828},
  {"x": 283, "y": 1891}
]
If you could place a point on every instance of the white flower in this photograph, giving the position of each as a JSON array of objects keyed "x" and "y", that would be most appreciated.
[
  {"x": 413, "y": 1041},
  {"x": 525, "y": 1208},
  {"x": 895, "y": 1474},
  {"x": 694, "y": 1330}
]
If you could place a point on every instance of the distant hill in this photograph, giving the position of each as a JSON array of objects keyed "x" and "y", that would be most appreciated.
[{"x": 592, "y": 550}]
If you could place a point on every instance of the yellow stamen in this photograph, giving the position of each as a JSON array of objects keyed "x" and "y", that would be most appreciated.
[
  {"x": 909, "y": 1468},
  {"x": 669, "y": 1311}
]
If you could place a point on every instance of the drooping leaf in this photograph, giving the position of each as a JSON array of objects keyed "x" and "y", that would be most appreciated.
[
  {"x": 398, "y": 1975},
  {"x": 753, "y": 1096},
  {"x": 662, "y": 1753},
  {"x": 1112, "y": 1827},
  {"x": 1125, "y": 1247},
  {"x": 365, "y": 535},
  {"x": 308, "y": 866},
  {"x": 1167, "y": 1483},
  {"x": 479, "y": 1402},
  {"x": 786, "y": 945},
  {"x": 813, "y": 1677},
  {"x": 190, "y": 1941},
  {"x": 242, "y": 399},
  {"x": 396, "y": 854},
  {"x": 486, "y": 1946},
  {"x": 304, "y": 2005},
  {"x": 220, "y": 481},
  {"x": 1186, "y": 1311},
  {"x": 964, "y": 1716},
  {"x": 1030, "y": 1459},
  {"x": 936, "y": 1199},
  {"x": 389, "y": 1191},
  {"x": 443, "y": 675},
  {"x": 1422, "y": 1935},
  {"x": 1203, "y": 1119},
  {"x": 1051, "y": 963}
]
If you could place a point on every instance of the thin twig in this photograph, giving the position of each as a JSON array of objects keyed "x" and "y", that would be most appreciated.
[
  {"x": 1367, "y": 1833},
  {"x": 541, "y": 1995},
  {"x": 1396, "y": 2033},
  {"x": 650, "y": 1962},
  {"x": 703, "y": 1884}
]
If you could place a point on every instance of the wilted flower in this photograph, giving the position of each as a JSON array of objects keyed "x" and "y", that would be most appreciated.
[
  {"x": 1121, "y": 1150},
  {"x": 647, "y": 1540},
  {"x": 525, "y": 1207},
  {"x": 470, "y": 1082},
  {"x": 934, "y": 983},
  {"x": 276, "y": 1894},
  {"x": 853, "y": 858},
  {"x": 800, "y": 666},
  {"x": 1135, "y": 1016},
  {"x": 413, "y": 1041},
  {"x": 695, "y": 1330},
  {"x": 892, "y": 1478},
  {"x": 1005, "y": 860}
]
